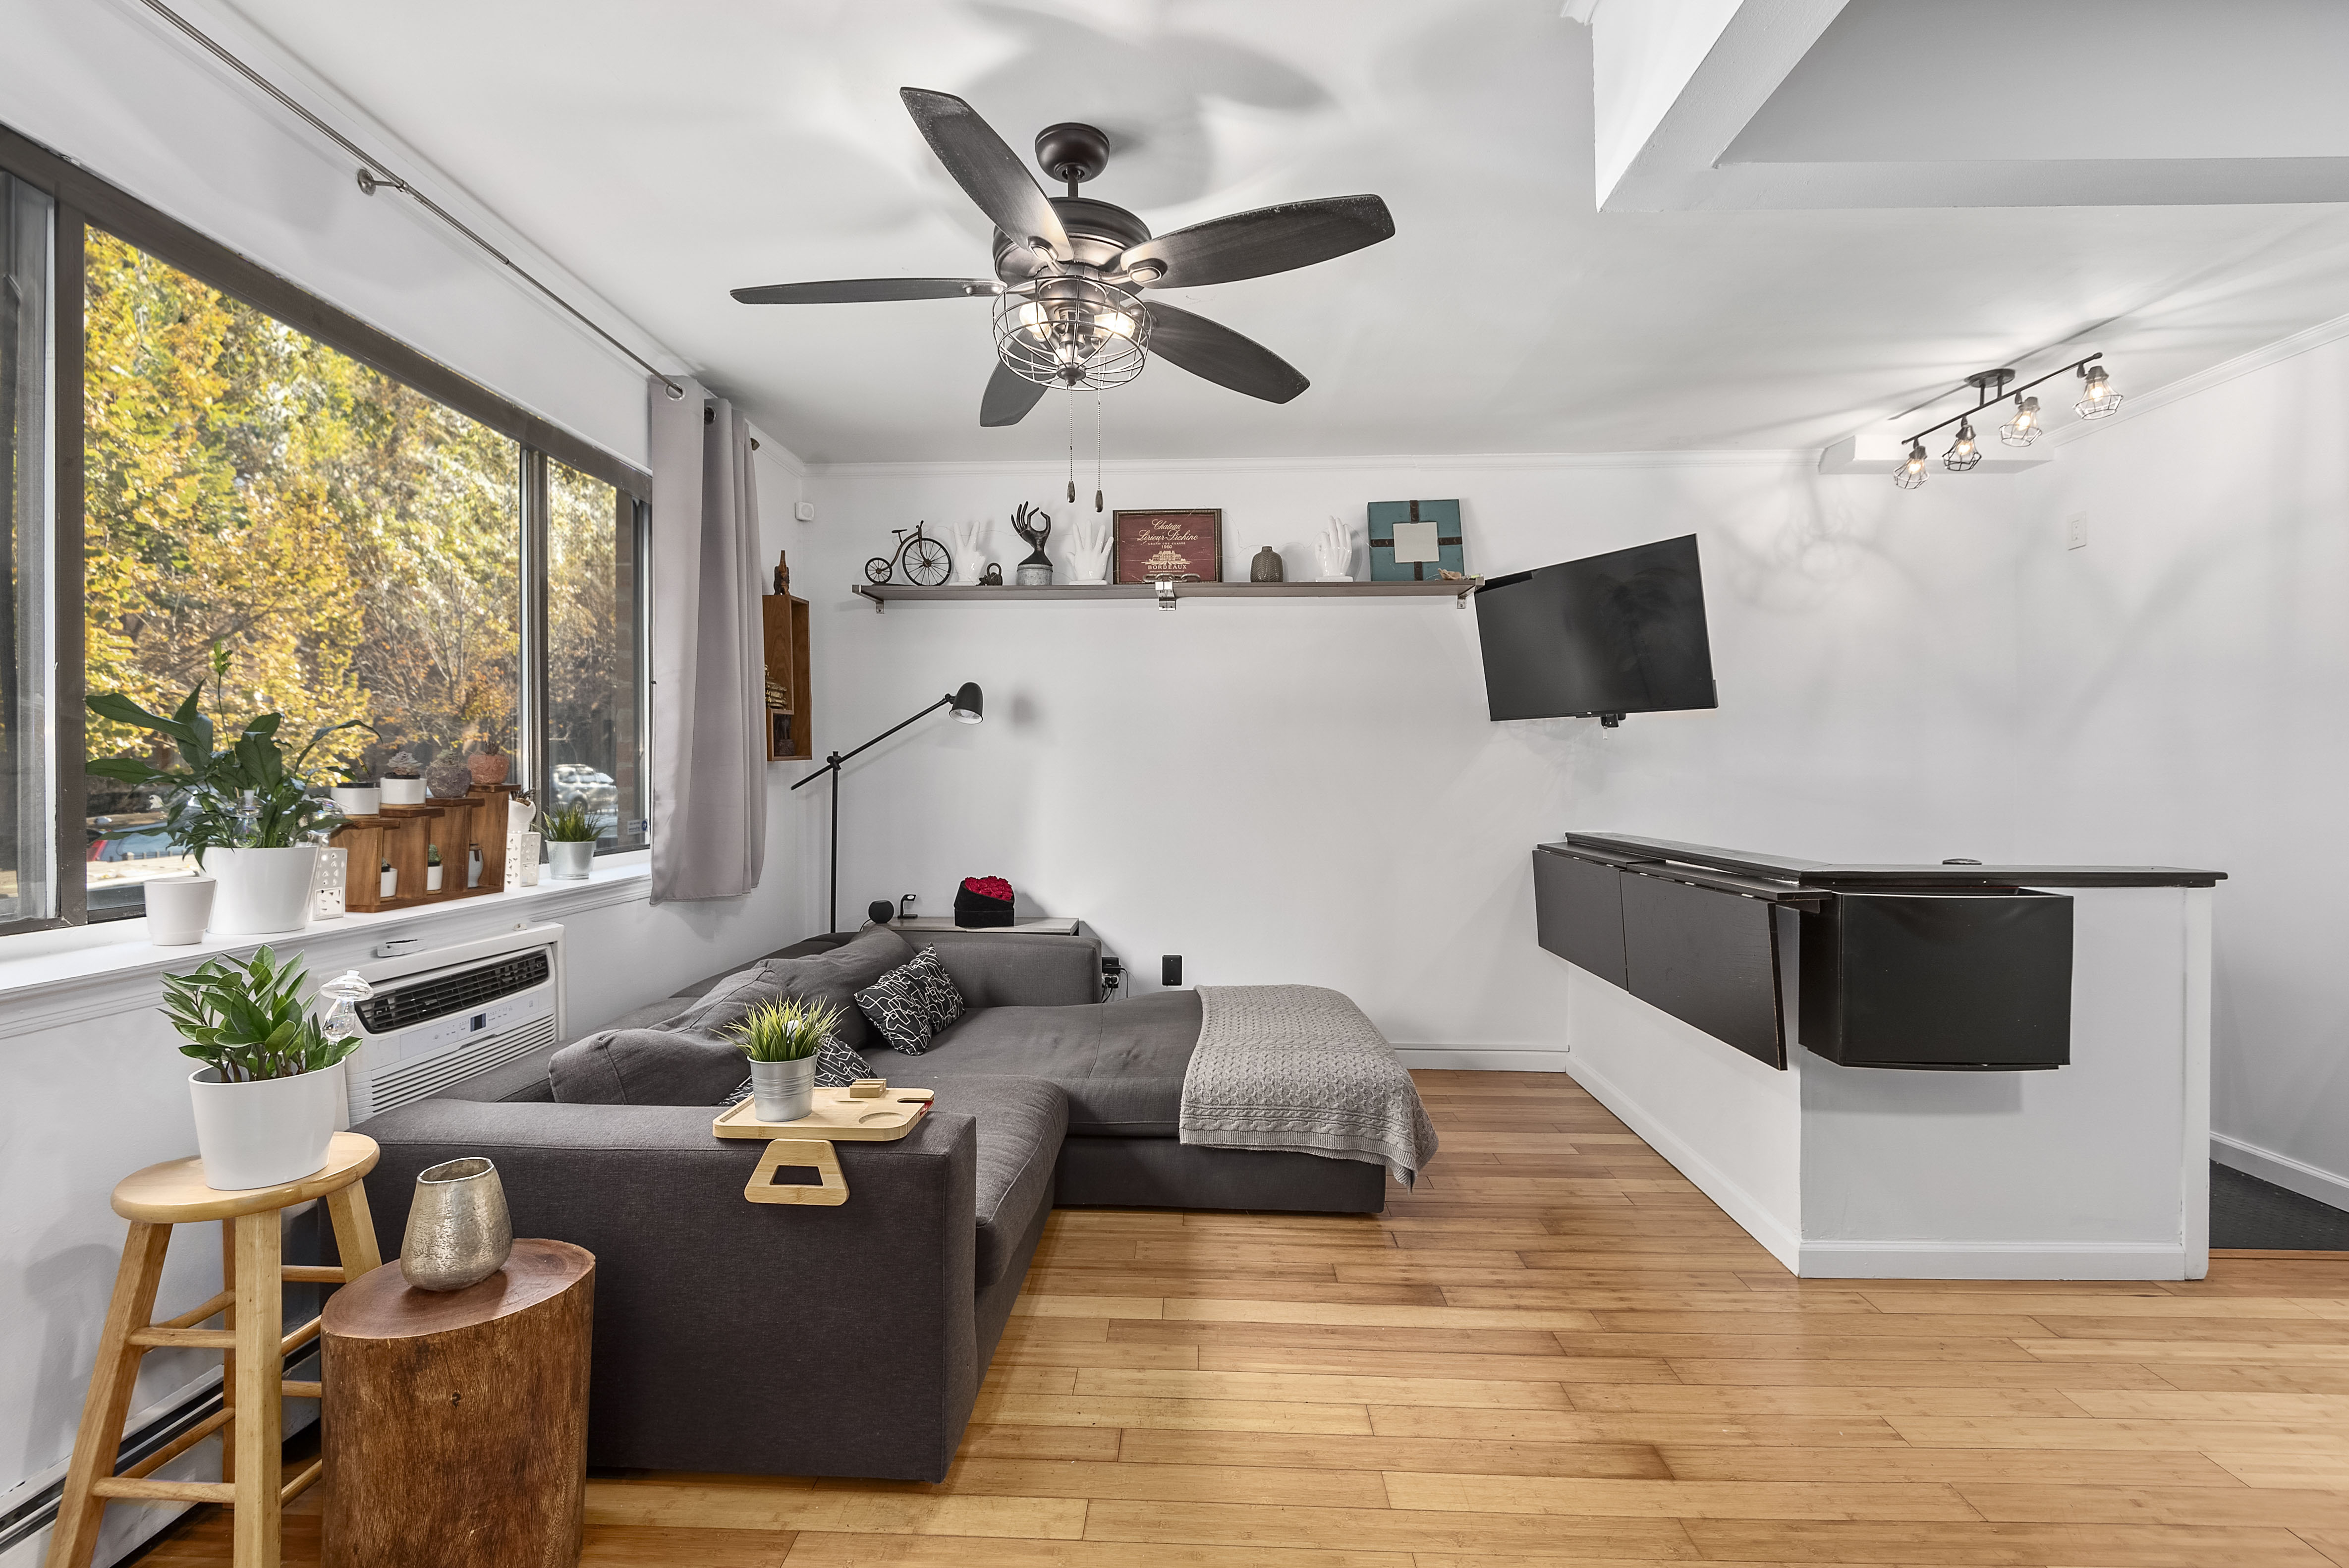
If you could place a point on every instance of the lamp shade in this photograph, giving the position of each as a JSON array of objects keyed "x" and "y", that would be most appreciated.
[{"x": 968, "y": 704}]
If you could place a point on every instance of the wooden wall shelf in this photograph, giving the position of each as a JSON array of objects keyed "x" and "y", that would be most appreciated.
[
  {"x": 884, "y": 594},
  {"x": 785, "y": 628}
]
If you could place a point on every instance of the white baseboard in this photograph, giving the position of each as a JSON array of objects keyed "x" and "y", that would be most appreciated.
[
  {"x": 2293, "y": 1175},
  {"x": 1739, "y": 1205},
  {"x": 1994, "y": 1259},
  {"x": 1484, "y": 1058}
]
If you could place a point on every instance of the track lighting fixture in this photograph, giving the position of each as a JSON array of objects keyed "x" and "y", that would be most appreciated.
[
  {"x": 2021, "y": 430},
  {"x": 1964, "y": 452},
  {"x": 2097, "y": 397},
  {"x": 1911, "y": 474}
]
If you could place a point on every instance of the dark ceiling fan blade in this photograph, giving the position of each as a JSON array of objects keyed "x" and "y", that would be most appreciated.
[
  {"x": 1269, "y": 239},
  {"x": 865, "y": 291},
  {"x": 1009, "y": 395},
  {"x": 1216, "y": 353},
  {"x": 989, "y": 173}
]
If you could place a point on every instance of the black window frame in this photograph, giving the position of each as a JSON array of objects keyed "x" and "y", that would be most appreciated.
[{"x": 84, "y": 201}]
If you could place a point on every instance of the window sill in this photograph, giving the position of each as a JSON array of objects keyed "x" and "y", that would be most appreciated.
[{"x": 52, "y": 977}]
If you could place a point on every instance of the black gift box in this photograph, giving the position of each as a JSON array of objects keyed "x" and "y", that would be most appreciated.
[{"x": 976, "y": 910}]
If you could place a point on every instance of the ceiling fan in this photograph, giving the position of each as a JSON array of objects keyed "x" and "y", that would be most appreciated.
[{"x": 1069, "y": 269}]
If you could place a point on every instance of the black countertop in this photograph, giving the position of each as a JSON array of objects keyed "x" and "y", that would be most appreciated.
[{"x": 1785, "y": 869}]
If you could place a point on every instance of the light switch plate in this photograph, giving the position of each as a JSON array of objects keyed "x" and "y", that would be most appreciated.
[
  {"x": 2075, "y": 532},
  {"x": 804, "y": 512}
]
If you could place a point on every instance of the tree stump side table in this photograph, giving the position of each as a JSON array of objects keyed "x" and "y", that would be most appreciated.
[{"x": 456, "y": 1423}]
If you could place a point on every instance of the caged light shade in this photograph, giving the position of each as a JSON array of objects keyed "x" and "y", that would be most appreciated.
[
  {"x": 1911, "y": 473},
  {"x": 2097, "y": 397},
  {"x": 2024, "y": 429},
  {"x": 1070, "y": 331},
  {"x": 1965, "y": 451}
]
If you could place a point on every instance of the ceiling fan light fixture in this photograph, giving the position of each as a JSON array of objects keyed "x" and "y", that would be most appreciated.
[
  {"x": 2024, "y": 429},
  {"x": 1072, "y": 331}
]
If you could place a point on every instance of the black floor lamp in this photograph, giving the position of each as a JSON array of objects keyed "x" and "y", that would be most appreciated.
[{"x": 967, "y": 704}]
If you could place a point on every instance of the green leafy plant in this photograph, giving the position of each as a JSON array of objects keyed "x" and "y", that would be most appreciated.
[
  {"x": 789, "y": 1030},
  {"x": 572, "y": 825},
  {"x": 247, "y": 797},
  {"x": 246, "y": 1020}
]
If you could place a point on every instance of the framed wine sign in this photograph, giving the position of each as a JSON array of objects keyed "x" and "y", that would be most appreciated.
[{"x": 1185, "y": 544}]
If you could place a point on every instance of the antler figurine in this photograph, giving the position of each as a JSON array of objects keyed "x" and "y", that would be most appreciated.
[{"x": 1035, "y": 526}]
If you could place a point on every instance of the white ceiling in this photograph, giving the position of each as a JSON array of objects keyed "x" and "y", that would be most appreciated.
[{"x": 667, "y": 153}]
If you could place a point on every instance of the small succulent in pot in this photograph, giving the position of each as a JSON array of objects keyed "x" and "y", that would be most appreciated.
[
  {"x": 403, "y": 765},
  {"x": 782, "y": 1039},
  {"x": 488, "y": 762},
  {"x": 403, "y": 780},
  {"x": 447, "y": 777}
]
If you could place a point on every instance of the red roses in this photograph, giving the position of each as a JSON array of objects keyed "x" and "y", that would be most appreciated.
[{"x": 989, "y": 887}]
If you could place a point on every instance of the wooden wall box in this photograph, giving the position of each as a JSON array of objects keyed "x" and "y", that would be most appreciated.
[{"x": 784, "y": 628}]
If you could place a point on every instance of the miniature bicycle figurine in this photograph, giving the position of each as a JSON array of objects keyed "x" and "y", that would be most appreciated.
[{"x": 925, "y": 559}]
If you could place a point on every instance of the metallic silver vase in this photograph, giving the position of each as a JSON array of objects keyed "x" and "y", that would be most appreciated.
[{"x": 458, "y": 1233}]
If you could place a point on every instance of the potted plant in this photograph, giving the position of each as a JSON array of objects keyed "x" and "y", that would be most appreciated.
[
  {"x": 571, "y": 835},
  {"x": 782, "y": 1039},
  {"x": 447, "y": 777},
  {"x": 488, "y": 762},
  {"x": 265, "y": 1098},
  {"x": 431, "y": 868},
  {"x": 359, "y": 795},
  {"x": 403, "y": 780},
  {"x": 245, "y": 814}
]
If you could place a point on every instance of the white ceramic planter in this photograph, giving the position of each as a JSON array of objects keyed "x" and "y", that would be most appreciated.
[
  {"x": 259, "y": 1134},
  {"x": 178, "y": 909},
  {"x": 262, "y": 891},
  {"x": 782, "y": 1091},
  {"x": 569, "y": 860},
  {"x": 431, "y": 879},
  {"x": 359, "y": 799},
  {"x": 403, "y": 791}
]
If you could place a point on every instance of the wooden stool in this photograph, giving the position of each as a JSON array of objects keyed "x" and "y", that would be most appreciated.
[
  {"x": 457, "y": 1422},
  {"x": 251, "y": 1314}
]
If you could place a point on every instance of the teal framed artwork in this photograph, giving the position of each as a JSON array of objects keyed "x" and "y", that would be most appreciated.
[{"x": 1415, "y": 540}]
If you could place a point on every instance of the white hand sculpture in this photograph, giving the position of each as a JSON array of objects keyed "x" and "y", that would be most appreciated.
[
  {"x": 967, "y": 537},
  {"x": 1088, "y": 549},
  {"x": 1336, "y": 550}
]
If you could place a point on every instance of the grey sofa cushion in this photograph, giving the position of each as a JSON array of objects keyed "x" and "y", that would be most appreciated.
[
  {"x": 644, "y": 1066},
  {"x": 1120, "y": 1063},
  {"x": 838, "y": 975},
  {"x": 1020, "y": 1123}
]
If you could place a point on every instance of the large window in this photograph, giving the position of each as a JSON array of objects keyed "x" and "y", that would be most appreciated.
[{"x": 293, "y": 525}]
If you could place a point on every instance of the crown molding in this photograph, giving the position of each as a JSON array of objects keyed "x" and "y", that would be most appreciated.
[{"x": 1384, "y": 463}]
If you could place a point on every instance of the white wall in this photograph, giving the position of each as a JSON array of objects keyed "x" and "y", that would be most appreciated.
[
  {"x": 1309, "y": 789},
  {"x": 2183, "y": 677}
]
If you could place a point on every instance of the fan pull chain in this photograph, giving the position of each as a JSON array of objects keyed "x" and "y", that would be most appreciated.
[
  {"x": 1073, "y": 443},
  {"x": 1097, "y": 433}
]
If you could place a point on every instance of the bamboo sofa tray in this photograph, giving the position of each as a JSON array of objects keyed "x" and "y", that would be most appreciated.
[{"x": 881, "y": 1115}]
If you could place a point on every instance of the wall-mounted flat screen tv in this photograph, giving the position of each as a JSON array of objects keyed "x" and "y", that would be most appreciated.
[{"x": 1600, "y": 637}]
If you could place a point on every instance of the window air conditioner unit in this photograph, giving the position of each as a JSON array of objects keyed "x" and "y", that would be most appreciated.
[{"x": 439, "y": 1017}]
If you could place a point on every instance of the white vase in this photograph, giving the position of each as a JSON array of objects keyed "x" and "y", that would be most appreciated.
[
  {"x": 259, "y": 1134},
  {"x": 359, "y": 799},
  {"x": 782, "y": 1091},
  {"x": 403, "y": 791},
  {"x": 262, "y": 891},
  {"x": 177, "y": 909},
  {"x": 569, "y": 858}
]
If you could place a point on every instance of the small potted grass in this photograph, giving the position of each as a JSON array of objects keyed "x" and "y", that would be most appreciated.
[
  {"x": 571, "y": 835},
  {"x": 782, "y": 1039}
]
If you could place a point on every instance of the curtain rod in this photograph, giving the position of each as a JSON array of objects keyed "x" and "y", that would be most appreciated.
[{"x": 374, "y": 175}]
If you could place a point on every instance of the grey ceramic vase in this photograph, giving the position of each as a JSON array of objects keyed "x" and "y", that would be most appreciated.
[
  {"x": 1266, "y": 567},
  {"x": 458, "y": 1233}
]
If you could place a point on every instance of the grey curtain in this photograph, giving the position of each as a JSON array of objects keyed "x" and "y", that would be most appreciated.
[{"x": 708, "y": 697}]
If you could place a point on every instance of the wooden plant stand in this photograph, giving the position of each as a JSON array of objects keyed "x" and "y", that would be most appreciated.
[
  {"x": 252, "y": 1313},
  {"x": 456, "y": 1422},
  {"x": 404, "y": 834},
  {"x": 880, "y": 1115}
]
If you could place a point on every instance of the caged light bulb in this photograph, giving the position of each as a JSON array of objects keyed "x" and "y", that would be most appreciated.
[
  {"x": 2097, "y": 397},
  {"x": 1965, "y": 451},
  {"x": 1911, "y": 473},
  {"x": 2024, "y": 429}
]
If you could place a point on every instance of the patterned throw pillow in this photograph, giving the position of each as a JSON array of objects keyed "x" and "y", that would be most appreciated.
[{"x": 912, "y": 1003}]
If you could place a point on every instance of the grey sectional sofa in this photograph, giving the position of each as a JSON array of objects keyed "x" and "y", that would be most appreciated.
[{"x": 798, "y": 1340}]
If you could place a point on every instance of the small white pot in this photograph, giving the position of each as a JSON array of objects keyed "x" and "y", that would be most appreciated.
[
  {"x": 570, "y": 860},
  {"x": 177, "y": 909},
  {"x": 262, "y": 891},
  {"x": 431, "y": 879},
  {"x": 387, "y": 880},
  {"x": 782, "y": 1091},
  {"x": 403, "y": 791},
  {"x": 359, "y": 799},
  {"x": 259, "y": 1134}
]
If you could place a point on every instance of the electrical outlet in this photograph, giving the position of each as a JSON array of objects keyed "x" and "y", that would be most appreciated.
[
  {"x": 1170, "y": 970},
  {"x": 2075, "y": 532},
  {"x": 804, "y": 512}
]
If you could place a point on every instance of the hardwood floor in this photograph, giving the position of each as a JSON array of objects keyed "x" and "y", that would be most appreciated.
[{"x": 1557, "y": 1351}]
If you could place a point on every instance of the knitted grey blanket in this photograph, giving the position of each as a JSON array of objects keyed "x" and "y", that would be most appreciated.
[{"x": 1299, "y": 1067}]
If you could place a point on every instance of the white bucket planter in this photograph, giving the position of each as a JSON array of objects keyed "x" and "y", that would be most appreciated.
[
  {"x": 176, "y": 909},
  {"x": 259, "y": 1134},
  {"x": 403, "y": 791},
  {"x": 569, "y": 859},
  {"x": 782, "y": 1091},
  {"x": 359, "y": 799},
  {"x": 262, "y": 891}
]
